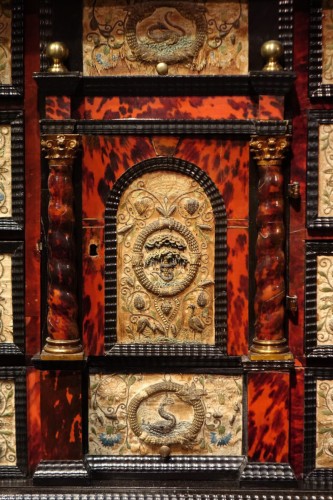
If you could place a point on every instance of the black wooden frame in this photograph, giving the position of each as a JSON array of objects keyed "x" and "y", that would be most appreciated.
[
  {"x": 137, "y": 349},
  {"x": 322, "y": 353},
  {"x": 19, "y": 376},
  {"x": 317, "y": 90},
  {"x": 15, "y": 89},
  {"x": 16, "y": 249},
  {"x": 315, "y": 478},
  {"x": 315, "y": 119},
  {"x": 14, "y": 119}
]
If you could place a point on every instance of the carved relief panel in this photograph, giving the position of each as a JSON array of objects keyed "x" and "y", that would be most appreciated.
[
  {"x": 137, "y": 414},
  {"x": 165, "y": 261},
  {"x": 190, "y": 38}
]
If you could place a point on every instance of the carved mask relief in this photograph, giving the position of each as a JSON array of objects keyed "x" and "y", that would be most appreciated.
[
  {"x": 190, "y": 37},
  {"x": 138, "y": 414},
  {"x": 165, "y": 261}
]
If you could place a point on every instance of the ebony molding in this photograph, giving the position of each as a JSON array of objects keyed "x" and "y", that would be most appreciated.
[{"x": 167, "y": 127}]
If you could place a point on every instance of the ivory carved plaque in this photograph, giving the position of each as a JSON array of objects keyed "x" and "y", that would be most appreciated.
[
  {"x": 192, "y": 414},
  {"x": 165, "y": 261},
  {"x": 324, "y": 431},
  {"x": 128, "y": 37},
  {"x": 7, "y": 423},
  {"x": 324, "y": 300}
]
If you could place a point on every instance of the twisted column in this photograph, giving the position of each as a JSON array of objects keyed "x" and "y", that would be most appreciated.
[
  {"x": 63, "y": 341},
  {"x": 269, "y": 303}
]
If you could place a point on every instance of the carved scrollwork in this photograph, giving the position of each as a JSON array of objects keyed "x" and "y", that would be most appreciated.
[{"x": 166, "y": 244}]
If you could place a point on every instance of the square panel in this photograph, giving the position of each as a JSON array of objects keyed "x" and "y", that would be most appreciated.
[{"x": 11, "y": 48}]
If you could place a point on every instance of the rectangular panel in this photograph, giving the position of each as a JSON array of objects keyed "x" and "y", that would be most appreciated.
[
  {"x": 178, "y": 38},
  {"x": 11, "y": 47},
  {"x": 138, "y": 414},
  {"x": 320, "y": 170},
  {"x": 318, "y": 428},
  {"x": 12, "y": 422},
  {"x": 318, "y": 300}
]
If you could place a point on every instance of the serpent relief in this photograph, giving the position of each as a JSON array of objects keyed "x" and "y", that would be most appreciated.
[
  {"x": 165, "y": 261},
  {"x": 138, "y": 414}
]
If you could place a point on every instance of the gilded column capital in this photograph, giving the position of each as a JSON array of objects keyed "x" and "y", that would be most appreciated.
[
  {"x": 60, "y": 148},
  {"x": 270, "y": 150}
]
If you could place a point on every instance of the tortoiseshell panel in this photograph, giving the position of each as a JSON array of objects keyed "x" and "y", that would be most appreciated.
[
  {"x": 238, "y": 289},
  {"x": 327, "y": 34},
  {"x": 61, "y": 415},
  {"x": 271, "y": 107},
  {"x": 297, "y": 420},
  {"x": 191, "y": 414},
  {"x": 34, "y": 422},
  {"x": 8, "y": 454},
  {"x": 268, "y": 417},
  {"x": 324, "y": 424},
  {"x": 6, "y": 42},
  {"x": 57, "y": 107},
  {"x": 104, "y": 160},
  {"x": 227, "y": 164},
  {"x": 93, "y": 290},
  {"x": 194, "y": 107},
  {"x": 121, "y": 38}
]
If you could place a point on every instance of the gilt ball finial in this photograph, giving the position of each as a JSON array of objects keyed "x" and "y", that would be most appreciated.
[
  {"x": 272, "y": 51},
  {"x": 57, "y": 52}
]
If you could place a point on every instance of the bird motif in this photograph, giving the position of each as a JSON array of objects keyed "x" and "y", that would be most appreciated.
[
  {"x": 161, "y": 32},
  {"x": 195, "y": 322}
]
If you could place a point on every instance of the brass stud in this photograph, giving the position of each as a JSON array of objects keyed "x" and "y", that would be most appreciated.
[
  {"x": 294, "y": 191},
  {"x": 57, "y": 52},
  {"x": 162, "y": 68},
  {"x": 272, "y": 51},
  {"x": 165, "y": 451}
]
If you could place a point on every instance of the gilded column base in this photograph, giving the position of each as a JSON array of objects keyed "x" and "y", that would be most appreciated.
[
  {"x": 270, "y": 350},
  {"x": 62, "y": 349}
]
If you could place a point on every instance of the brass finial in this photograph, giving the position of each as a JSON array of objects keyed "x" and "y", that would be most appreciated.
[
  {"x": 58, "y": 53},
  {"x": 272, "y": 51},
  {"x": 162, "y": 68}
]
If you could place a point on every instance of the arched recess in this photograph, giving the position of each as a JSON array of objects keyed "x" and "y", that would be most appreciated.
[{"x": 131, "y": 247}]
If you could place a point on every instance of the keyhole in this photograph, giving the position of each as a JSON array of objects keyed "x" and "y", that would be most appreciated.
[{"x": 93, "y": 250}]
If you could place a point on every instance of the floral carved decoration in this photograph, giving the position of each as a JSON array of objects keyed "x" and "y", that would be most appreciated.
[
  {"x": 324, "y": 300},
  {"x": 132, "y": 37},
  {"x": 137, "y": 414},
  {"x": 165, "y": 261},
  {"x": 327, "y": 34},
  {"x": 5, "y": 41},
  {"x": 7, "y": 423},
  {"x": 325, "y": 171},
  {"x": 324, "y": 444}
]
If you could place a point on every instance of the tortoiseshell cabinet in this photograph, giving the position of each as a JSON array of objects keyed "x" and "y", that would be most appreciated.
[{"x": 166, "y": 249}]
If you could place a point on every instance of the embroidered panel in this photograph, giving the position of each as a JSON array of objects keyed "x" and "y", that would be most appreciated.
[
  {"x": 324, "y": 430},
  {"x": 6, "y": 299},
  {"x": 165, "y": 261},
  {"x": 191, "y": 414},
  {"x": 324, "y": 300},
  {"x": 325, "y": 171},
  {"x": 5, "y": 42},
  {"x": 191, "y": 38},
  {"x": 5, "y": 171},
  {"x": 327, "y": 45},
  {"x": 7, "y": 423}
]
